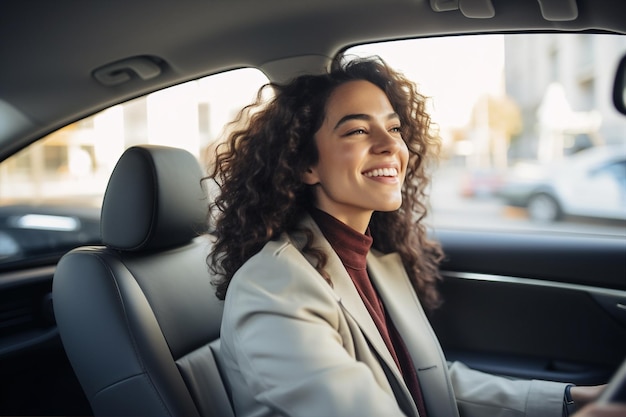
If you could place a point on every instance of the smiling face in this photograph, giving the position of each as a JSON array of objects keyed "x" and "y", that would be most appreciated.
[{"x": 362, "y": 157}]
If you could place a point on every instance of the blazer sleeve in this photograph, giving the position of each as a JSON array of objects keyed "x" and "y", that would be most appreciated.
[
  {"x": 485, "y": 395},
  {"x": 285, "y": 334}
]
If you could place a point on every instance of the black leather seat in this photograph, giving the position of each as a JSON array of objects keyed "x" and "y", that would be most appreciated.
[{"x": 138, "y": 317}]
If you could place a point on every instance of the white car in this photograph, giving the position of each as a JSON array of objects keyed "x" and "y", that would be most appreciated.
[{"x": 590, "y": 183}]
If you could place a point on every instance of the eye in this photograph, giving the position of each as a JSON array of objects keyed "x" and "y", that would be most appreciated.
[
  {"x": 396, "y": 129},
  {"x": 358, "y": 131}
]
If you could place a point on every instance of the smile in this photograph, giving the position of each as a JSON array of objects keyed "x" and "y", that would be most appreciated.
[{"x": 382, "y": 172}]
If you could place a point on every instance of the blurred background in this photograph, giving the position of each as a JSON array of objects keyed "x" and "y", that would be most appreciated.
[{"x": 530, "y": 138}]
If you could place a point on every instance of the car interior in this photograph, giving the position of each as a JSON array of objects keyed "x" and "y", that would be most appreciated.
[{"x": 122, "y": 318}]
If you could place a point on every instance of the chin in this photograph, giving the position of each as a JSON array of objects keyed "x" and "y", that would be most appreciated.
[{"x": 390, "y": 207}]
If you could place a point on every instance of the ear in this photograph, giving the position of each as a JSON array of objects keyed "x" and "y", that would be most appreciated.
[{"x": 310, "y": 176}]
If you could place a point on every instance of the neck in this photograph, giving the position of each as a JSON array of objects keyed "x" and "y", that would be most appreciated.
[{"x": 357, "y": 220}]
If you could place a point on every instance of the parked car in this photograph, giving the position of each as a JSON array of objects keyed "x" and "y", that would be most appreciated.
[
  {"x": 480, "y": 183},
  {"x": 82, "y": 82},
  {"x": 590, "y": 183}
]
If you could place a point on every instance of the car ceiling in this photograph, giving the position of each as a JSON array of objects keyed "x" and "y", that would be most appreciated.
[{"x": 50, "y": 49}]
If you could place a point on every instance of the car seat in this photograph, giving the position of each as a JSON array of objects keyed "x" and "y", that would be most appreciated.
[{"x": 138, "y": 316}]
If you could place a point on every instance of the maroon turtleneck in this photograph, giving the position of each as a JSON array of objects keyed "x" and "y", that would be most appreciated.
[{"x": 352, "y": 248}]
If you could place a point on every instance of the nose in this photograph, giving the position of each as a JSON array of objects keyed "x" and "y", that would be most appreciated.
[{"x": 387, "y": 143}]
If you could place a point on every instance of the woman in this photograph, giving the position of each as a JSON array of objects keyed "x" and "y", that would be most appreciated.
[{"x": 324, "y": 262}]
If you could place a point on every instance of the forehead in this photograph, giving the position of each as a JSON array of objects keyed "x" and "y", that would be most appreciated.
[{"x": 357, "y": 97}]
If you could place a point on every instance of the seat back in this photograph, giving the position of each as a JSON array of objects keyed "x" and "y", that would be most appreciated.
[{"x": 138, "y": 316}]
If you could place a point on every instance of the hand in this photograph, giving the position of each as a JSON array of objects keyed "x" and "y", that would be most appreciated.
[
  {"x": 602, "y": 410},
  {"x": 585, "y": 395}
]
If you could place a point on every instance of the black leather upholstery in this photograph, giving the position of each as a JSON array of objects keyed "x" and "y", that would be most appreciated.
[{"x": 138, "y": 316}]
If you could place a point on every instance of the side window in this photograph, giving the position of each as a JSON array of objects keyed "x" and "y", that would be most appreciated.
[
  {"x": 523, "y": 119},
  {"x": 51, "y": 192}
]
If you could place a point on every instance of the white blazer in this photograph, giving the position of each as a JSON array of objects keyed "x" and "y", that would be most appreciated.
[{"x": 292, "y": 345}]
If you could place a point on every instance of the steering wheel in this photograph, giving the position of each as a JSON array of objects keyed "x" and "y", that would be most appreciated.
[{"x": 615, "y": 391}]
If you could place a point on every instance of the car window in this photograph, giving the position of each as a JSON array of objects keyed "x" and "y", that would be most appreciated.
[
  {"x": 524, "y": 120},
  {"x": 51, "y": 191}
]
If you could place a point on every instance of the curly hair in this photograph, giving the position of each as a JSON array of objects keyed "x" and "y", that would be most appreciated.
[{"x": 259, "y": 168}]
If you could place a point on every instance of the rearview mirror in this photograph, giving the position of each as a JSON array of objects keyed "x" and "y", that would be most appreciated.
[{"x": 619, "y": 87}]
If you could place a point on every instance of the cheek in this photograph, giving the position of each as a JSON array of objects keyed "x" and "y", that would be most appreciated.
[
  {"x": 351, "y": 153},
  {"x": 404, "y": 152},
  {"x": 338, "y": 159},
  {"x": 345, "y": 156}
]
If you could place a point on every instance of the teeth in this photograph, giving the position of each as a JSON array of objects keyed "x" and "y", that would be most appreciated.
[{"x": 382, "y": 172}]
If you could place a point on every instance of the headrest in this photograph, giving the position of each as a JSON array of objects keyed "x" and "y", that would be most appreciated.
[{"x": 154, "y": 200}]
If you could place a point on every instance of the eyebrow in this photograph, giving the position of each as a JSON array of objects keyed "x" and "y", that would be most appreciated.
[{"x": 361, "y": 116}]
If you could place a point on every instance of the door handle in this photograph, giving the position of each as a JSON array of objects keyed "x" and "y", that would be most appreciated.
[{"x": 123, "y": 71}]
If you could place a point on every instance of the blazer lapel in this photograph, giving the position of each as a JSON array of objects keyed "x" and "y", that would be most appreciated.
[
  {"x": 353, "y": 305},
  {"x": 348, "y": 296},
  {"x": 401, "y": 302}
]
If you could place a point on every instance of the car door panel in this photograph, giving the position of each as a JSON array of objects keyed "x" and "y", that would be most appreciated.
[
  {"x": 533, "y": 306},
  {"x": 36, "y": 377},
  {"x": 26, "y": 317}
]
